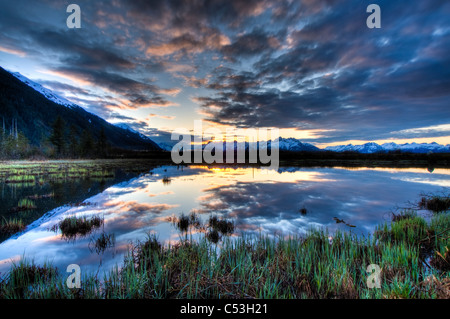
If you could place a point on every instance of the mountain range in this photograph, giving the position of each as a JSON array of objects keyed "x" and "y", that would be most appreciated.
[
  {"x": 370, "y": 148},
  {"x": 284, "y": 144},
  {"x": 33, "y": 109},
  {"x": 295, "y": 145}
]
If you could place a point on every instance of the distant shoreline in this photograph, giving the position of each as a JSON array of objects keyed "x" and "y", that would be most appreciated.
[{"x": 301, "y": 159}]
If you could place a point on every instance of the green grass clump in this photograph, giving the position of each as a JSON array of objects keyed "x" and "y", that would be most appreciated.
[
  {"x": 186, "y": 222},
  {"x": 11, "y": 226},
  {"x": 312, "y": 266},
  {"x": 25, "y": 277},
  {"x": 438, "y": 204},
  {"x": 26, "y": 203},
  {"x": 404, "y": 214},
  {"x": 435, "y": 203},
  {"x": 103, "y": 242},
  {"x": 73, "y": 226},
  {"x": 409, "y": 230},
  {"x": 20, "y": 179},
  {"x": 224, "y": 227}
]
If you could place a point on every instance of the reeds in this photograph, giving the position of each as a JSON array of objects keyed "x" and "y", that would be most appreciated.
[
  {"x": 317, "y": 265},
  {"x": 103, "y": 242},
  {"x": 26, "y": 204},
  {"x": 436, "y": 203},
  {"x": 73, "y": 226},
  {"x": 11, "y": 226}
]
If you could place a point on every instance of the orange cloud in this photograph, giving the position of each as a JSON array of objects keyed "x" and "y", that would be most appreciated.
[
  {"x": 13, "y": 51},
  {"x": 165, "y": 117}
]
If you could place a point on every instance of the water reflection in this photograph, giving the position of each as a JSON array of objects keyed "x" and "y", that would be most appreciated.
[{"x": 256, "y": 200}]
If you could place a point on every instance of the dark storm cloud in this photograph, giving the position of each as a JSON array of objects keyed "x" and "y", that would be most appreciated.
[
  {"x": 289, "y": 64},
  {"x": 193, "y": 13},
  {"x": 253, "y": 43},
  {"x": 272, "y": 108},
  {"x": 88, "y": 56},
  {"x": 335, "y": 72},
  {"x": 77, "y": 51},
  {"x": 59, "y": 87}
]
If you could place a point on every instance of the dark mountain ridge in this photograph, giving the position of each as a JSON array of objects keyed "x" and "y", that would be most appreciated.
[{"x": 33, "y": 115}]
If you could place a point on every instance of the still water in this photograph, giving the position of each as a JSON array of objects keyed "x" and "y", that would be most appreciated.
[{"x": 257, "y": 200}]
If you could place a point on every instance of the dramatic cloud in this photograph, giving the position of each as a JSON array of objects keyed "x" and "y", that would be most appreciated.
[
  {"x": 298, "y": 65},
  {"x": 333, "y": 72}
]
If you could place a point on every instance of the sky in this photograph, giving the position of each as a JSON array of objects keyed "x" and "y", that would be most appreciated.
[{"x": 311, "y": 68}]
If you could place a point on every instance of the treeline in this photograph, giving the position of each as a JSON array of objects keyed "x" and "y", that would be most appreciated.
[
  {"x": 348, "y": 159},
  {"x": 391, "y": 158},
  {"x": 68, "y": 142},
  {"x": 64, "y": 142},
  {"x": 13, "y": 144},
  {"x": 396, "y": 155}
]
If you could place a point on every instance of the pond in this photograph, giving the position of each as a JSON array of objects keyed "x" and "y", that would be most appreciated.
[{"x": 289, "y": 201}]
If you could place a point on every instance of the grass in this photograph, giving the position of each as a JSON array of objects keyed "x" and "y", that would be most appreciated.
[
  {"x": 103, "y": 242},
  {"x": 72, "y": 227},
  {"x": 215, "y": 228},
  {"x": 28, "y": 173},
  {"x": 436, "y": 204},
  {"x": 294, "y": 267},
  {"x": 184, "y": 223},
  {"x": 166, "y": 180},
  {"x": 412, "y": 253},
  {"x": 11, "y": 226},
  {"x": 25, "y": 204},
  {"x": 26, "y": 280}
]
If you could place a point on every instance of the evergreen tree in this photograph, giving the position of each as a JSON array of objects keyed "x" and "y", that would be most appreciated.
[
  {"x": 87, "y": 144},
  {"x": 57, "y": 136},
  {"x": 2, "y": 139},
  {"x": 102, "y": 143},
  {"x": 74, "y": 146}
]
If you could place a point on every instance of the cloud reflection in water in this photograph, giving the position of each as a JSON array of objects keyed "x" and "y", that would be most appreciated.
[{"x": 256, "y": 200}]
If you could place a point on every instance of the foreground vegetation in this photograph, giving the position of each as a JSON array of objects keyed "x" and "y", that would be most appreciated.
[{"x": 411, "y": 251}]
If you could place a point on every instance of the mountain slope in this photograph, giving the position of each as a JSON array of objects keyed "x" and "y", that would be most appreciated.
[
  {"x": 35, "y": 109},
  {"x": 294, "y": 145},
  {"x": 45, "y": 92}
]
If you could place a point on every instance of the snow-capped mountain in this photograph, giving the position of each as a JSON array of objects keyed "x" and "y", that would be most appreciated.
[
  {"x": 44, "y": 91},
  {"x": 369, "y": 148},
  {"x": 125, "y": 126},
  {"x": 294, "y": 145},
  {"x": 128, "y": 128},
  {"x": 418, "y": 147},
  {"x": 365, "y": 148},
  {"x": 284, "y": 144}
]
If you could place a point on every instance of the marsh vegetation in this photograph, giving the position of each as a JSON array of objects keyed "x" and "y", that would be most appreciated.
[{"x": 411, "y": 251}]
